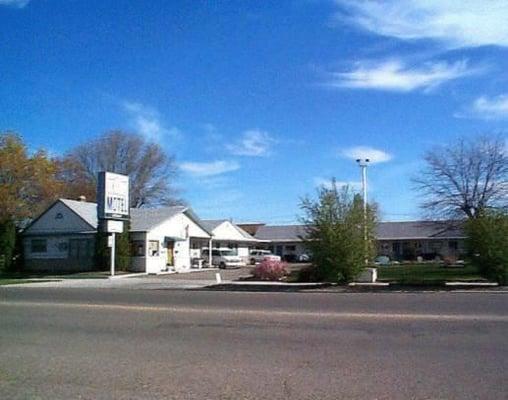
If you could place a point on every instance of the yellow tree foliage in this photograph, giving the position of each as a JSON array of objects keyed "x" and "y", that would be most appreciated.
[{"x": 28, "y": 182}]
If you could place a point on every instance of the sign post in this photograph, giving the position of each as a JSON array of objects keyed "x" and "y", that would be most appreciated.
[{"x": 112, "y": 207}]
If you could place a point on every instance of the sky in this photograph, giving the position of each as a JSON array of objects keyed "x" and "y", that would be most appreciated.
[{"x": 260, "y": 102}]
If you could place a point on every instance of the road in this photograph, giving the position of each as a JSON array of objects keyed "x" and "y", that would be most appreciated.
[{"x": 175, "y": 344}]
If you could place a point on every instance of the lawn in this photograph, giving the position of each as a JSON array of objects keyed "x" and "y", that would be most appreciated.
[{"x": 425, "y": 274}]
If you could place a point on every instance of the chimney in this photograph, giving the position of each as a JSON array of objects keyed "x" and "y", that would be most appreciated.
[{"x": 82, "y": 198}]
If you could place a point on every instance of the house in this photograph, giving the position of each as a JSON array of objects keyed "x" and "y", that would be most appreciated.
[
  {"x": 397, "y": 240},
  {"x": 63, "y": 238},
  {"x": 226, "y": 234}
]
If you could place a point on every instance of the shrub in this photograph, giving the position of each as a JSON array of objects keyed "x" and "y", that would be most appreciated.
[
  {"x": 488, "y": 245},
  {"x": 270, "y": 270},
  {"x": 7, "y": 245},
  {"x": 334, "y": 233}
]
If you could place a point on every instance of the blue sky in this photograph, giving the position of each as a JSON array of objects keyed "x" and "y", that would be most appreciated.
[{"x": 260, "y": 101}]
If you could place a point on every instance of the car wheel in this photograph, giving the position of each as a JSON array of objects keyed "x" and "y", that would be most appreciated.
[
  {"x": 222, "y": 265},
  {"x": 252, "y": 261}
]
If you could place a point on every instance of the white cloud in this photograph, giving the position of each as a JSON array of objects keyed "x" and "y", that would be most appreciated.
[
  {"x": 254, "y": 143},
  {"x": 374, "y": 155},
  {"x": 327, "y": 183},
  {"x": 491, "y": 107},
  {"x": 147, "y": 121},
  {"x": 202, "y": 169},
  {"x": 395, "y": 75},
  {"x": 456, "y": 23},
  {"x": 14, "y": 3}
]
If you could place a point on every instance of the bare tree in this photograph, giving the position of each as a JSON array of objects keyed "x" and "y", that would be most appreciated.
[
  {"x": 150, "y": 169},
  {"x": 465, "y": 178}
]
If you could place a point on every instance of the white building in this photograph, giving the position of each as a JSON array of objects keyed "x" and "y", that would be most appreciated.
[
  {"x": 225, "y": 234},
  {"x": 63, "y": 238}
]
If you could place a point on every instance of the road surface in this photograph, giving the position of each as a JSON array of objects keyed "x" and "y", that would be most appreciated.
[{"x": 175, "y": 344}]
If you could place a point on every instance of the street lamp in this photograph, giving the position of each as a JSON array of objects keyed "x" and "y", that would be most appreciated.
[{"x": 363, "y": 163}]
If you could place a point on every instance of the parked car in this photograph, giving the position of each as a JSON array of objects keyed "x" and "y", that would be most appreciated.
[
  {"x": 304, "y": 257},
  {"x": 224, "y": 258},
  {"x": 256, "y": 256}
]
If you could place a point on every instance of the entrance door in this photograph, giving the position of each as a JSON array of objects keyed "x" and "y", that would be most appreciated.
[{"x": 170, "y": 251}]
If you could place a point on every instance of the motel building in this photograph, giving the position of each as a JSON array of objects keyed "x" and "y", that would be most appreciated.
[{"x": 62, "y": 239}]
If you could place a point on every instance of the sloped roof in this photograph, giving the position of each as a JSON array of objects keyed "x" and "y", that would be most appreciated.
[
  {"x": 145, "y": 219},
  {"x": 283, "y": 233},
  {"x": 418, "y": 230},
  {"x": 384, "y": 231},
  {"x": 211, "y": 224},
  {"x": 87, "y": 211},
  {"x": 142, "y": 219}
]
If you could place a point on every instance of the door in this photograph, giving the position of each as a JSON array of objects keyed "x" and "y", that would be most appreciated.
[{"x": 170, "y": 252}]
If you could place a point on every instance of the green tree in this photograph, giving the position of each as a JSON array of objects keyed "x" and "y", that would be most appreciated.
[
  {"x": 7, "y": 245},
  {"x": 122, "y": 250},
  {"x": 335, "y": 232},
  {"x": 488, "y": 244}
]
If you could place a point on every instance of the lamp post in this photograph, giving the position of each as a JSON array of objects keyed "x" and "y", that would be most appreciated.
[{"x": 363, "y": 163}]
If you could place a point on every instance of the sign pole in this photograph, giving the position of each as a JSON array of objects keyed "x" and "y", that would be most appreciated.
[{"x": 113, "y": 254}]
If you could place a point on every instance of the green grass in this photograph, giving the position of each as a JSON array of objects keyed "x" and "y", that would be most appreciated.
[{"x": 425, "y": 274}]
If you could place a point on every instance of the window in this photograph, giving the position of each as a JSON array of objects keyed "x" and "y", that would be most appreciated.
[
  {"x": 81, "y": 248},
  {"x": 63, "y": 246},
  {"x": 291, "y": 248},
  {"x": 39, "y": 246},
  {"x": 137, "y": 248},
  {"x": 59, "y": 216},
  {"x": 453, "y": 245},
  {"x": 153, "y": 248}
]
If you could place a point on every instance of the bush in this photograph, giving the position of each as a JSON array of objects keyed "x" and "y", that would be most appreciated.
[
  {"x": 334, "y": 233},
  {"x": 488, "y": 245},
  {"x": 7, "y": 245},
  {"x": 270, "y": 270}
]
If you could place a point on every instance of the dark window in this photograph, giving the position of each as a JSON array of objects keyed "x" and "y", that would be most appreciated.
[
  {"x": 80, "y": 248},
  {"x": 59, "y": 216},
  {"x": 290, "y": 248},
  {"x": 453, "y": 245},
  {"x": 39, "y": 246},
  {"x": 138, "y": 248}
]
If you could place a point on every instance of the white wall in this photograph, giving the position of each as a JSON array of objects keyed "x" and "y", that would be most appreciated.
[{"x": 182, "y": 228}]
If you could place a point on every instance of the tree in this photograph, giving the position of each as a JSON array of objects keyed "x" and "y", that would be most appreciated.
[
  {"x": 465, "y": 178},
  {"x": 488, "y": 244},
  {"x": 150, "y": 169},
  {"x": 7, "y": 245},
  {"x": 28, "y": 183},
  {"x": 334, "y": 232}
]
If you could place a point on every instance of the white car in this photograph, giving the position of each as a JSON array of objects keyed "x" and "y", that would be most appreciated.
[
  {"x": 256, "y": 256},
  {"x": 224, "y": 258}
]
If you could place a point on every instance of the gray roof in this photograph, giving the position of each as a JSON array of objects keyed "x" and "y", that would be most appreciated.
[
  {"x": 418, "y": 230},
  {"x": 384, "y": 231},
  {"x": 142, "y": 219},
  {"x": 145, "y": 219},
  {"x": 283, "y": 233},
  {"x": 211, "y": 224},
  {"x": 86, "y": 210}
]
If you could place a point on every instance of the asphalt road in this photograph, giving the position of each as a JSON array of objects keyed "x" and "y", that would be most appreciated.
[{"x": 125, "y": 344}]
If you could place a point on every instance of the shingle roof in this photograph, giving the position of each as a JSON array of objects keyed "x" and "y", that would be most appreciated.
[
  {"x": 284, "y": 233},
  {"x": 86, "y": 210},
  {"x": 384, "y": 231},
  {"x": 418, "y": 230},
  {"x": 211, "y": 224},
  {"x": 145, "y": 219},
  {"x": 142, "y": 219}
]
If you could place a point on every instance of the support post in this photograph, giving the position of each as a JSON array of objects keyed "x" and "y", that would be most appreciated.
[
  {"x": 363, "y": 165},
  {"x": 210, "y": 264},
  {"x": 113, "y": 254}
]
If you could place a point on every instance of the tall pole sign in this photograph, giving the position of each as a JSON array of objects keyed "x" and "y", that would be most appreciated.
[
  {"x": 112, "y": 206},
  {"x": 363, "y": 163}
]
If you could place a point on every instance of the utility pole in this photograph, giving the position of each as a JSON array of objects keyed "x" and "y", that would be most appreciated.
[{"x": 363, "y": 163}]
